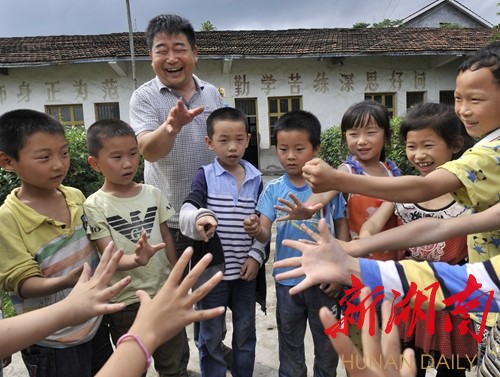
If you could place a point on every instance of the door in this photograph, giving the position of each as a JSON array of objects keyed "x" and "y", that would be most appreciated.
[{"x": 249, "y": 107}]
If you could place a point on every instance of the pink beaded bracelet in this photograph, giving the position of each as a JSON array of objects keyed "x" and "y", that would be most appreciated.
[{"x": 140, "y": 343}]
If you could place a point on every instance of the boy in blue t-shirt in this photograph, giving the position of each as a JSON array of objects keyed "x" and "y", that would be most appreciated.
[{"x": 298, "y": 141}]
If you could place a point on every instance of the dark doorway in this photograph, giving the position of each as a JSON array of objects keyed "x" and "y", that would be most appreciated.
[{"x": 249, "y": 107}]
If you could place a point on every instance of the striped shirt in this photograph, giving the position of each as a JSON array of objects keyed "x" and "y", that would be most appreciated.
[
  {"x": 452, "y": 280},
  {"x": 231, "y": 207},
  {"x": 33, "y": 245}
]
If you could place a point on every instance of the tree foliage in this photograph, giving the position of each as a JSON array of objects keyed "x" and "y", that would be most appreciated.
[
  {"x": 387, "y": 23},
  {"x": 361, "y": 25},
  {"x": 208, "y": 26}
]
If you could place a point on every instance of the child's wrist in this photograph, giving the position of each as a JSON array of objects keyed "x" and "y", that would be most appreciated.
[{"x": 142, "y": 346}]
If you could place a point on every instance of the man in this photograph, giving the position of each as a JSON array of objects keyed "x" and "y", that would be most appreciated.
[{"x": 173, "y": 151}]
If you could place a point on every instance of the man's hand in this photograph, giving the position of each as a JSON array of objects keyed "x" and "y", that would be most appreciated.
[{"x": 180, "y": 116}]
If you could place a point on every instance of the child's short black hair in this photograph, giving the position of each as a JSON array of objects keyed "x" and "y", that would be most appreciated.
[
  {"x": 225, "y": 113},
  {"x": 300, "y": 120},
  {"x": 487, "y": 57},
  {"x": 103, "y": 129},
  {"x": 18, "y": 125},
  {"x": 169, "y": 24}
]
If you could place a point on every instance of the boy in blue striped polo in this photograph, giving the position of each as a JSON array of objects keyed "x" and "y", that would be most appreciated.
[{"x": 223, "y": 194}]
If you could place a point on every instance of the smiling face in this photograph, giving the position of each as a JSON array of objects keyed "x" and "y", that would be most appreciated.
[
  {"x": 118, "y": 160},
  {"x": 173, "y": 60},
  {"x": 477, "y": 101},
  {"x": 426, "y": 150},
  {"x": 43, "y": 162},
  {"x": 229, "y": 142},
  {"x": 367, "y": 142}
]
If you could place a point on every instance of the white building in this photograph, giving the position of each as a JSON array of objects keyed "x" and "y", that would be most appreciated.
[{"x": 265, "y": 73}]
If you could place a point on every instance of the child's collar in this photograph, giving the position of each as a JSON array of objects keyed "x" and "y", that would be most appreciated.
[{"x": 494, "y": 135}]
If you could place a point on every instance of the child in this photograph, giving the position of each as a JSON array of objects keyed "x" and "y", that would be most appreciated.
[
  {"x": 123, "y": 210},
  {"x": 366, "y": 129},
  {"x": 223, "y": 194},
  {"x": 432, "y": 135},
  {"x": 473, "y": 180},
  {"x": 43, "y": 242},
  {"x": 298, "y": 141}
]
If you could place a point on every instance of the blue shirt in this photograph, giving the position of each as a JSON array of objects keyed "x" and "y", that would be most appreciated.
[{"x": 280, "y": 188}]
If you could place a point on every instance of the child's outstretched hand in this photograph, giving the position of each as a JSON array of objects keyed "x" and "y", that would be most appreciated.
[
  {"x": 249, "y": 270},
  {"x": 382, "y": 352},
  {"x": 318, "y": 175},
  {"x": 179, "y": 116},
  {"x": 90, "y": 296},
  {"x": 323, "y": 260},
  {"x": 206, "y": 227},
  {"x": 252, "y": 225},
  {"x": 296, "y": 209},
  {"x": 144, "y": 250}
]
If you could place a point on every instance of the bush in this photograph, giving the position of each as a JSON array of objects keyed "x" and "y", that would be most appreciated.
[
  {"x": 80, "y": 174},
  {"x": 334, "y": 150}
]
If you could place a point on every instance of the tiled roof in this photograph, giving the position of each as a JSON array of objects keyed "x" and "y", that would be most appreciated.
[{"x": 50, "y": 50}]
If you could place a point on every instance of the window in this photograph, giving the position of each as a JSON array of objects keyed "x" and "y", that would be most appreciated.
[
  {"x": 68, "y": 115},
  {"x": 447, "y": 97},
  {"x": 279, "y": 106},
  {"x": 414, "y": 98},
  {"x": 387, "y": 99},
  {"x": 109, "y": 110}
]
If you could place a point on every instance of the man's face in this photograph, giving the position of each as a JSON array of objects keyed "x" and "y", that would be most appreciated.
[{"x": 173, "y": 60}]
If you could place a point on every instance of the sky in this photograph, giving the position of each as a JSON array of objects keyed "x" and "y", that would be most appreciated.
[{"x": 22, "y": 18}]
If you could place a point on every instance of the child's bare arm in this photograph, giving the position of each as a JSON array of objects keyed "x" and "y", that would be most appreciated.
[
  {"x": 376, "y": 221},
  {"x": 405, "y": 189},
  {"x": 169, "y": 244},
  {"x": 426, "y": 231},
  {"x": 41, "y": 286},
  {"x": 341, "y": 229}
]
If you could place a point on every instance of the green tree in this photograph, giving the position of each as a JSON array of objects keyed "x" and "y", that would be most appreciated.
[
  {"x": 387, "y": 23},
  {"x": 361, "y": 25},
  {"x": 208, "y": 26}
]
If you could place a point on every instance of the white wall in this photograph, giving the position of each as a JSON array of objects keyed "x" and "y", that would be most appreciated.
[{"x": 328, "y": 103}]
